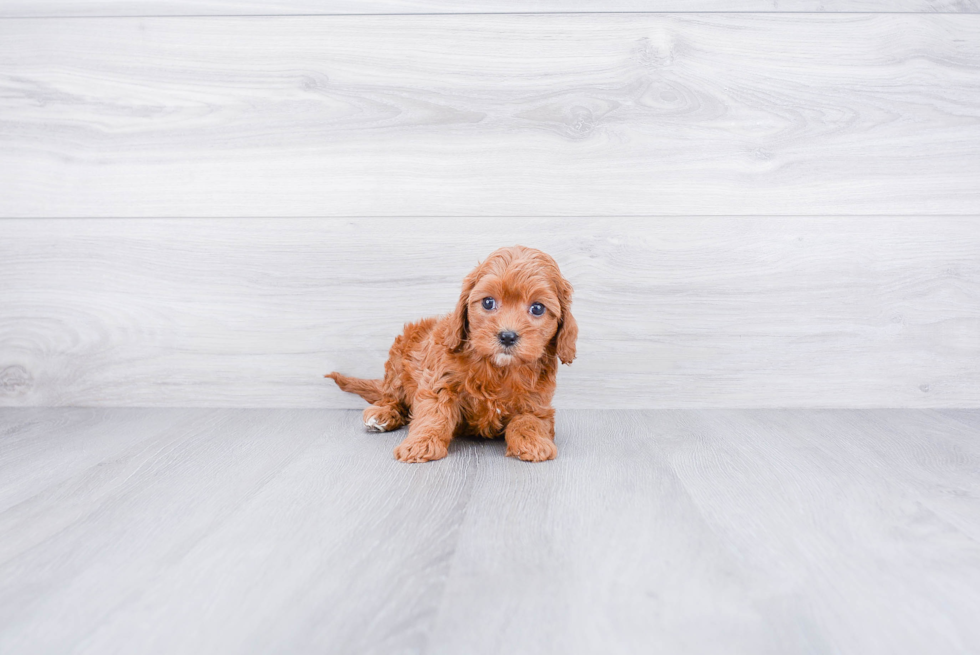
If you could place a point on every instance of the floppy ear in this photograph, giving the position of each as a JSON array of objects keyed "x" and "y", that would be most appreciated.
[
  {"x": 458, "y": 328},
  {"x": 567, "y": 333}
]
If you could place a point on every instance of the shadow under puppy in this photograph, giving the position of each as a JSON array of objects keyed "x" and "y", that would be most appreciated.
[{"x": 486, "y": 369}]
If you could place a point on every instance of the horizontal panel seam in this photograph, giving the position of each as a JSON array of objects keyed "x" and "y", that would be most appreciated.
[
  {"x": 482, "y": 216},
  {"x": 507, "y": 13}
]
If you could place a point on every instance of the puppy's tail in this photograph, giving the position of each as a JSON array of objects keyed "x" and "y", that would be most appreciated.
[{"x": 369, "y": 390}]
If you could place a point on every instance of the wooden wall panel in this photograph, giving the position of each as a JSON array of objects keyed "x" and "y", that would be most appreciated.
[
  {"x": 63, "y": 8},
  {"x": 674, "y": 312},
  {"x": 548, "y": 115}
]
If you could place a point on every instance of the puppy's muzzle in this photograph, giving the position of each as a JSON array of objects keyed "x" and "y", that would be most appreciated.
[{"x": 507, "y": 338}]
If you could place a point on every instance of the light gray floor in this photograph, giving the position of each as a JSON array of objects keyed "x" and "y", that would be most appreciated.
[{"x": 703, "y": 531}]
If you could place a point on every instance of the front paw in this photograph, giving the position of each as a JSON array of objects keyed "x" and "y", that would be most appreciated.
[
  {"x": 420, "y": 449},
  {"x": 532, "y": 448}
]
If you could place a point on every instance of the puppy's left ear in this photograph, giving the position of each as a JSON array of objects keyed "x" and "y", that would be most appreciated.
[{"x": 567, "y": 333}]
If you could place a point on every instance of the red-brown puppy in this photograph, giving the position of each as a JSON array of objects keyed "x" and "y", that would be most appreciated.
[{"x": 488, "y": 368}]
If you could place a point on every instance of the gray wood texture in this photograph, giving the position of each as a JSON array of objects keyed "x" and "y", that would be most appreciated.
[
  {"x": 673, "y": 312},
  {"x": 61, "y": 8},
  {"x": 294, "y": 531},
  {"x": 461, "y": 115}
]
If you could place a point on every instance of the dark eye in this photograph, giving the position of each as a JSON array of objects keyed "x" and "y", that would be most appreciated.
[
  {"x": 537, "y": 309},
  {"x": 489, "y": 303}
]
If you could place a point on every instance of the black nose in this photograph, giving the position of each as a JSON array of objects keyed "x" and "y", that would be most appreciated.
[{"x": 507, "y": 338}]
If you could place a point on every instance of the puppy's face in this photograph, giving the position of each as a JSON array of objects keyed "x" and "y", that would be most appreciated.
[
  {"x": 513, "y": 314},
  {"x": 515, "y": 305}
]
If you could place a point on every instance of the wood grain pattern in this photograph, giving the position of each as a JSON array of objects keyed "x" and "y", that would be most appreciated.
[
  {"x": 62, "y": 8},
  {"x": 167, "y": 518},
  {"x": 255, "y": 531},
  {"x": 674, "y": 312},
  {"x": 40, "y": 449},
  {"x": 491, "y": 115}
]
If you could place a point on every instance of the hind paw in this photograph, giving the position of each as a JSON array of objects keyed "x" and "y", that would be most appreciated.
[{"x": 382, "y": 419}]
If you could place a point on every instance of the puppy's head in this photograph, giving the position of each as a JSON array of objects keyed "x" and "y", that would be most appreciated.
[{"x": 515, "y": 307}]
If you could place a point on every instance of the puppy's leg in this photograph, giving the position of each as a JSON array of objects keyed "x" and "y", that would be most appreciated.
[
  {"x": 389, "y": 412},
  {"x": 531, "y": 438},
  {"x": 435, "y": 415},
  {"x": 383, "y": 416}
]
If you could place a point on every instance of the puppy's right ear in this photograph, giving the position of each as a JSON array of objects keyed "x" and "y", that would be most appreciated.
[{"x": 458, "y": 323}]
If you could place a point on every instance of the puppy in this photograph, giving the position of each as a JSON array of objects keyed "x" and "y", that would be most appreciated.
[{"x": 486, "y": 369}]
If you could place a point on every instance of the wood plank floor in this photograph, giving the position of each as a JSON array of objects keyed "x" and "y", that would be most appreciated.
[{"x": 292, "y": 531}]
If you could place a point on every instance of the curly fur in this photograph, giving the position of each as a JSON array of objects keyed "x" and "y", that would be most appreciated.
[{"x": 451, "y": 375}]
